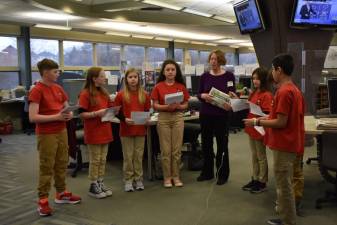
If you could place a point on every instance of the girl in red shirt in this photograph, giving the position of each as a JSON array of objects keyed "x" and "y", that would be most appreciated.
[
  {"x": 170, "y": 124},
  {"x": 94, "y": 101},
  {"x": 132, "y": 98},
  {"x": 262, "y": 97}
]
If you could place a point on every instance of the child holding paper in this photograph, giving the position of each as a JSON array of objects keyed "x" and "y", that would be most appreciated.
[
  {"x": 170, "y": 120},
  {"x": 132, "y": 99},
  {"x": 94, "y": 101},
  {"x": 262, "y": 97},
  {"x": 47, "y": 99}
]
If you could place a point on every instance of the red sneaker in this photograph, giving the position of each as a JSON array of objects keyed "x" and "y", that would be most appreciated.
[
  {"x": 67, "y": 198},
  {"x": 43, "y": 208}
]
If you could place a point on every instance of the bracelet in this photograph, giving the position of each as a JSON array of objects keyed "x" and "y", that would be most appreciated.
[
  {"x": 258, "y": 122},
  {"x": 254, "y": 121}
]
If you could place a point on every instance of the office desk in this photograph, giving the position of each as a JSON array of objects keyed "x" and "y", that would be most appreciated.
[{"x": 149, "y": 142}]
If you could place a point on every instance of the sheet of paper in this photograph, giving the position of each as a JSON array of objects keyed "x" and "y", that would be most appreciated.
[
  {"x": 188, "y": 82},
  {"x": 260, "y": 130},
  {"x": 110, "y": 114},
  {"x": 189, "y": 70},
  {"x": 70, "y": 108},
  {"x": 239, "y": 104},
  {"x": 174, "y": 98},
  {"x": 199, "y": 69},
  {"x": 140, "y": 118},
  {"x": 112, "y": 79},
  {"x": 256, "y": 110},
  {"x": 239, "y": 70}
]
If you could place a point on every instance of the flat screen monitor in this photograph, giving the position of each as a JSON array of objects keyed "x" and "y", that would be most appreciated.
[
  {"x": 246, "y": 81},
  {"x": 73, "y": 88},
  {"x": 248, "y": 16},
  {"x": 314, "y": 13},
  {"x": 332, "y": 95}
]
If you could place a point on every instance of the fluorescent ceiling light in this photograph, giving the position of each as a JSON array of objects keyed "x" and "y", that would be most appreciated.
[
  {"x": 197, "y": 43},
  {"x": 231, "y": 41},
  {"x": 122, "y": 9},
  {"x": 221, "y": 18},
  {"x": 153, "y": 30},
  {"x": 163, "y": 39},
  {"x": 211, "y": 44},
  {"x": 142, "y": 36},
  {"x": 247, "y": 44},
  {"x": 117, "y": 34},
  {"x": 49, "y": 16},
  {"x": 49, "y": 26},
  {"x": 181, "y": 41},
  {"x": 195, "y": 12},
  {"x": 163, "y": 4},
  {"x": 234, "y": 46}
]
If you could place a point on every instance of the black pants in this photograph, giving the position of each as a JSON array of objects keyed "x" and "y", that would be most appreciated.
[{"x": 215, "y": 126}]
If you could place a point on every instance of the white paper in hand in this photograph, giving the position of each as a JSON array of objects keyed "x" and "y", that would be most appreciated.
[
  {"x": 110, "y": 114},
  {"x": 260, "y": 130},
  {"x": 140, "y": 118},
  {"x": 174, "y": 98},
  {"x": 256, "y": 110},
  {"x": 70, "y": 108},
  {"x": 239, "y": 104}
]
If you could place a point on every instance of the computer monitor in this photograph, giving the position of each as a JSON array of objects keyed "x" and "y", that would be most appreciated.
[
  {"x": 246, "y": 81},
  {"x": 195, "y": 80},
  {"x": 332, "y": 95},
  {"x": 73, "y": 88}
]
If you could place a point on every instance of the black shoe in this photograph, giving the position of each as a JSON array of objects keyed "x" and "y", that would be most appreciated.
[
  {"x": 249, "y": 186},
  {"x": 275, "y": 222},
  {"x": 203, "y": 177},
  {"x": 259, "y": 187},
  {"x": 221, "y": 181},
  {"x": 299, "y": 211}
]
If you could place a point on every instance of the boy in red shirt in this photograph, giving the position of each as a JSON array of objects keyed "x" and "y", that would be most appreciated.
[
  {"x": 286, "y": 136},
  {"x": 47, "y": 100}
]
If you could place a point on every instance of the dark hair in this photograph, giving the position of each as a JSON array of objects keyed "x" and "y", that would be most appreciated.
[
  {"x": 263, "y": 77},
  {"x": 285, "y": 62},
  {"x": 46, "y": 64},
  {"x": 220, "y": 55},
  {"x": 179, "y": 76}
]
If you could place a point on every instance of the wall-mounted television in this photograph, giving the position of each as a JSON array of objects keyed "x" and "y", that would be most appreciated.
[
  {"x": 314, "y": 13},
  {"x": 248, "y": 16}
]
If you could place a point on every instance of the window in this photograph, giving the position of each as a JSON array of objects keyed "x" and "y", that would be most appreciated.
[
  {"x": 156, "y": 56},
  {"x": 9, "y": 80},
  {"x": 179, "y": 55},
  {"x": 77, "y": 53},
  {"x": 204, "y": 57},
  {"x": 194, "y": 57},
  {"x": 108, "y": 54},
  {"x": 43, "y": 48},
  {"x": 35, "y": 77},
  {"x": 231, "y": 59},
  {"x": 247, "y": 58},
  {"x": 134, "y": 55},
  {"x": 8, "y": 51}
]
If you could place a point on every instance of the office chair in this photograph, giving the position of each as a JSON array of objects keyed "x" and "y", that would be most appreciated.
[{"x": 328, "y": 163}]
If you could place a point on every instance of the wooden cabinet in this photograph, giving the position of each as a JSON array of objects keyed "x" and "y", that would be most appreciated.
[{"x": 322, "y": 97}]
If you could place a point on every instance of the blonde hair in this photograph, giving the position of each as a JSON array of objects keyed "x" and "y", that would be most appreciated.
[
  {"x": 93, "y": 72},
  {"x": 140, "y": 89},
  {"x": 220, "y": 55}
]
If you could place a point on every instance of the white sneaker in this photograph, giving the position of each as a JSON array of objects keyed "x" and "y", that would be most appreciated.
[
  {"x": 105, "y": 189},
  {"x": 128, "y": 187},
  {"x": 139, "y": 185}
]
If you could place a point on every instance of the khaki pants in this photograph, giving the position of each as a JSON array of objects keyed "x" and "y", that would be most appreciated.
[
  {"x": 170, "y": 129},
  {"x": 53, "y": 156},
  {"x": 283, "y": 169},
  {"x": 133, "y": 150},
  {"x": 97, "y": 161},
  {"x": 259, "y": 160},
  {"x": 298, "y": 178}
]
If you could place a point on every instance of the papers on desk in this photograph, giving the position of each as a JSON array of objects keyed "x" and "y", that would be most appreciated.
[
  {"x": 326, "y": 124},
  {"x": 256, "y": 110},
  {"x": 140, "y": 118},
  {"x": 110, "y": 114},
  {"x": 260, "y": 130},
  {"x": 174, "y": 98},
  {"x": 239, "y": 104},
  {"x": 70, "y": 108}
]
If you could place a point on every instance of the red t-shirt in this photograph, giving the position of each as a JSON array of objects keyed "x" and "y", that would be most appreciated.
[
  {"x": 133, "y": 106},
  {"x": 162, "y": 89},
  {"x": 95, "y": 131},
  {"x": 51, "y": 101},
  {"x": 290, "y": 102},
  {"x": 264, "y": 100}
]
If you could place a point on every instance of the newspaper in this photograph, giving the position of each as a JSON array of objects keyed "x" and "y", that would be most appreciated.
[
  {"x": 327, "y": 124},
  {"x": 239, "y": 104},
  {"x": 256, "y": 110},
  {"x": 174, "y": 98},
  {"x": 110, "y": 114},
  {"x": 219, "y": 98},
  {"x": 140, "y": 118},
  {"x": 70, "y": 108}
]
